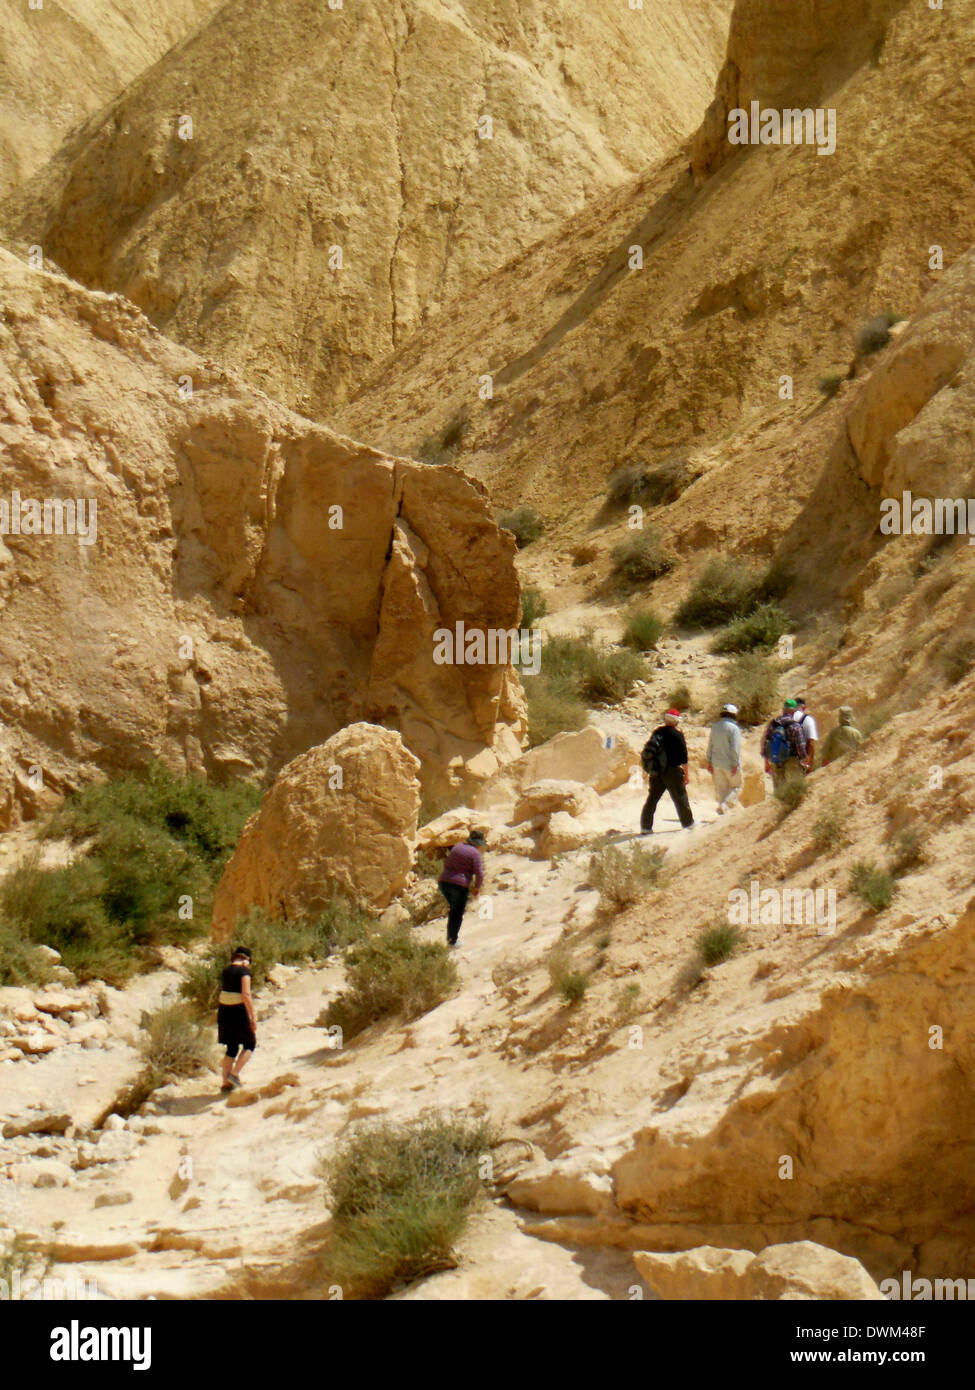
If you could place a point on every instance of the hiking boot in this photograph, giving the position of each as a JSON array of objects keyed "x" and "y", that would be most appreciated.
[
  {"x": 235, "y": 1080},
  {"x": 227, "y": 1086},
  {"x": 720, "y": 810}
]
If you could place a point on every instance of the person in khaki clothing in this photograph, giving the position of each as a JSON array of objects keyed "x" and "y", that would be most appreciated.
[
  {"x": 724, "y": 757},
  {"x": 845, "y": 738}
]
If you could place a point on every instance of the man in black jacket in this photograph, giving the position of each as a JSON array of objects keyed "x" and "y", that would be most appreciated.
[{"x": 665, "y": 759}]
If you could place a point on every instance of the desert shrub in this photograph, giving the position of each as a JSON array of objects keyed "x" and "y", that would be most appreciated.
[
  {"x": 584, "y": 554},
  {"x": 390, "y": 972},
  {"x": 627, "y": 1003},
  {"x": 875, "y": 334},
  {"x": 552, "y": 710},
  {"x": 533, "y": 606},
  {"x": 441, "y": 448},
  {"x": 400, "y": 1196},
  {"x": 150, "y": 840},
  {"x": 642, "y": 557},
  {"x": 20, "y": 961},
  {"x": 906, "y": 851},
  {"x": 21, "y": 1256},
  {"x": 174, "y": 1045},
  {"x": 622, "y": 876},
  {"x": 428, "y": 863},
  {"x": 761, "y": 628},
  {"x": 718, "y": 942},
  {"x": 752, "y": 684},
  {"x": 175, "y": 1042},
  {"x": 272, "y": 943},
  {"x": 524, "y": 523},
  {"x": 792, "y": 791},
  {"x": 643, "y": 630},
  {"x": 570, "y": 983},
  {"x": 206, "y": 817},
  {"x": 958, "y": 656},
  {"x": 638, "y": 484},
  {"x": 680, "y": 697},
  {"x": 725, "y": 589},
  {"x": 830, "y": 826},
  {"x": 873, "y": 885},
  {"x": 829, "y": 385},
  {"x": 577, "y": 667}
]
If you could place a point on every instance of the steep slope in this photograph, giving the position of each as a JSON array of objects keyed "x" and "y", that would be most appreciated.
[
  {"x": 63, "y": 61},
  {"x": 764, "y": 271},
  {"x": 357, "y": 128},
  {"x": 247, "y": 582}
]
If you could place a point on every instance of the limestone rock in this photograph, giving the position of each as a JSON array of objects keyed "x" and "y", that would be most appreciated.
[
  {"x": 309, "y": 573},
  {"x": 578, "y": 102},
  {"x": 312, "y": 838},
  {"x": 43, "y": 1172},
  {"x": 577, "y": 757},
  {"x": 799, "y": 1270},
  {"x": 545, "y": 798},
  {"x": 562, "y": 834},
  {"x": 753, "y": 788},
  {"x": 40, "y": 1124}
]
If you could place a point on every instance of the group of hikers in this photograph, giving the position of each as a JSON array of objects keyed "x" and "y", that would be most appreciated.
[{"x": 788, "y": 750}]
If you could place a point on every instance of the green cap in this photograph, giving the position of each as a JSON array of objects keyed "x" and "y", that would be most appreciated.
[{"x": 792, "y": 704}]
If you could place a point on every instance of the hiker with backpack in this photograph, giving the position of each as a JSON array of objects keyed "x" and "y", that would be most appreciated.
[
  {"x": 784, "y": 745},
  {"x": 664, "y": 759},
  {"x": 845, "y": 738},
  {"x": 808, "y": 725},
  {"x": 462, "y": 867},
  {"x": 724, "y": 757}
]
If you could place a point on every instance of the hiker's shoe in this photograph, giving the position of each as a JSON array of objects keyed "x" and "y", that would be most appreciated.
[
  {"x": 227, "y": 1086},
  {"x": 646, "y": 832},
  {"x": 720, "y": 810},
  {"x": 235, "y": 1080}
]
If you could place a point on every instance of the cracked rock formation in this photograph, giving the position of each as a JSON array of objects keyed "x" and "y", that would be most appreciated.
[{"x": 252, "y": 581}]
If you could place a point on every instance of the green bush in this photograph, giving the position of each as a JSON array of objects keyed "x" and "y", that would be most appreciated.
[
  {"x": 830, "y": 827},
  {"x": 152, "y": 843},
  {"x": 792, "y": 791},
  {"x": 875, "y": 334},
  {"x": 552, "y": 710},
  {"x": 441, "y": 448},
  {"x": 577, "y": 667},
  {"x": 906, "y": 851},
  {"x": 873, "y": 885},
  {"x": 642, "y": 557},
  {"x": 761, "y": 628},
  {"x": 20, "y": 961},
  {"x": 524, "y": 523},
  {"x": 570, "y": 983},
  {"x": 390, "y": 972},
  {"x": 717, "y": 943},
  {"x": 643, "y": 630},
  {"x": 272, "y": 943},
  {"x": 400, "y": 1196},
  {"x": 727, "y": 588},
  {"x": 680, "y": 697},
  {"x": 752, "y": 683},
  {"x": 533, "y": 606},
  {"x": 174, "y": 1045},
  {"x": 622, "y": 877}
]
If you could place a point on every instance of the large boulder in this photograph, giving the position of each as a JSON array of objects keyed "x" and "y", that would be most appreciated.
[
  {"x": 800, "y": 1270},
  {"x": 601, "y": 761},
  {"x": 340, "y": 818},
  {"x": 545, "y": 799}
]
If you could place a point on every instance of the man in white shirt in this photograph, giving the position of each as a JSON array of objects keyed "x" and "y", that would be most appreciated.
[
  {"x": 809, "y": 729},
  {"x": 724, "y": 757}
]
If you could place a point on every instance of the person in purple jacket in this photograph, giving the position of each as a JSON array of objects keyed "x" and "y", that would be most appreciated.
[{"x": 462, "y": 867}]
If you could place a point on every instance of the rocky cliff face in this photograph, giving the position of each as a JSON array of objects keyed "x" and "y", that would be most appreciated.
[
  {"x": 335, "y": 188},
  {"x": 60, "y": 63},
  {"x": 250, "y": 582}
]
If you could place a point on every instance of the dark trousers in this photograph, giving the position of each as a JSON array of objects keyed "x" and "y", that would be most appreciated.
[
  {"x": 670, "y": 781},
  {"x": 457, "y": 901}
]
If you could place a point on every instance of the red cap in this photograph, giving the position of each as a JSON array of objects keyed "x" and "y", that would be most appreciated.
[{"x": 675, "y": 712}]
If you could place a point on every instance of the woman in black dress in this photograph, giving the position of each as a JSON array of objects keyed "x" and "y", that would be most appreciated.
[{"x": 236, "y": 1025}]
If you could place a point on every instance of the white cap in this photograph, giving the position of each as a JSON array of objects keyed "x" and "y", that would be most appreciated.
[{"x": 729, "y": 709}]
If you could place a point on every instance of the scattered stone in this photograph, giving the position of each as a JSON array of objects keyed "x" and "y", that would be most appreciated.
[
  {"x": 41, "y": 1124},
  {"x": 113, "y": 1199}
]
